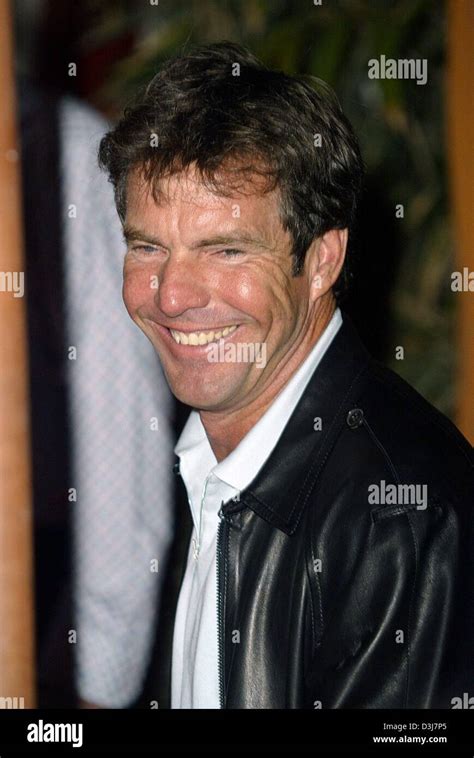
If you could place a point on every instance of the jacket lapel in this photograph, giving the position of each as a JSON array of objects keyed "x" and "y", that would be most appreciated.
[{"x": 283, "y": 485}]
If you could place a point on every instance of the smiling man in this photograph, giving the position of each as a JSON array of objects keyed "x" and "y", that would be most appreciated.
[
  {"x": 306, "y": 585},
  {"x": 227, "y": 280}
]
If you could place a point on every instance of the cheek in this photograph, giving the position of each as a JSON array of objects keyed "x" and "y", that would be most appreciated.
[
  {"x": 266, "y": 293},
  {"x": 248, "y": 290},
  {"x": 136, "y": 288}
]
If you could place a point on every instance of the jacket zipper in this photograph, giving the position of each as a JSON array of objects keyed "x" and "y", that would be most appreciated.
[{"x": 221, "y": 534}]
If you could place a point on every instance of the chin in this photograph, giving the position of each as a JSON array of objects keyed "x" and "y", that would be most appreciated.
[
  {"x": 202, "y": 396},
  {"x": 197, "y": 401}
]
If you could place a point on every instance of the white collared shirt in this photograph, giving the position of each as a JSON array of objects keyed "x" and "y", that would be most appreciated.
[{"x": 194, "y": 667}]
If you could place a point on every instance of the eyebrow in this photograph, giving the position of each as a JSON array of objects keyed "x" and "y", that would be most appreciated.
[{"x": 130, "y": 234}]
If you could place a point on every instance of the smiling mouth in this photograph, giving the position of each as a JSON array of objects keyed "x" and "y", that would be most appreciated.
[{"x": 201, "y": 338}]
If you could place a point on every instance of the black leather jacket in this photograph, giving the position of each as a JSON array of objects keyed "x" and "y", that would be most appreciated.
[{"x": 326, "y": 598}]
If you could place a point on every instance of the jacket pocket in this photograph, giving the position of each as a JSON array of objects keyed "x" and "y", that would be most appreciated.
[{"x": 387, "y": 511}]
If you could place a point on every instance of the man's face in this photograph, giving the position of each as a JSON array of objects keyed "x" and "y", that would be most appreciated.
[{"x": 200, "y": 263}]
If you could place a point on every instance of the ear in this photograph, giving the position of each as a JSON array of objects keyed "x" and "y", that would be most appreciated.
[{"x": 325, "y": 258}]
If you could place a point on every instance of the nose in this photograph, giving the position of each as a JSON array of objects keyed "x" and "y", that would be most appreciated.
[{"x": 181, "y": 286}]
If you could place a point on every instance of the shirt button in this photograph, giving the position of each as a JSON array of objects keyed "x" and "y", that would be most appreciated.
[{"x": 355, "y": 418}]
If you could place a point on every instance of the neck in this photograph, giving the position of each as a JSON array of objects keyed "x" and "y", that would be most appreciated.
[{"x": 225, "y": 429}]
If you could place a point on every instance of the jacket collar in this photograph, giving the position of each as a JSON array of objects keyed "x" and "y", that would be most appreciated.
[{"x": 284, "y": 483}]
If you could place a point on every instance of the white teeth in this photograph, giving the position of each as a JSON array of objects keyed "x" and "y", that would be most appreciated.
[{"x": 201, "y": 338}]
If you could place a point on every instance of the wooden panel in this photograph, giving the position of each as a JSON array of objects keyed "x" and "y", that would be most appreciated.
[
  {"x": 460, "y": 149},
  {"x": 16, "y": 586}
]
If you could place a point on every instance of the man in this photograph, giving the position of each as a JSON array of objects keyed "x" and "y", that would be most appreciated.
[{"x": 330, "y": 563}]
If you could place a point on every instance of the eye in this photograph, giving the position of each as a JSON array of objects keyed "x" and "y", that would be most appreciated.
[
  {"x": 145, "y": 248},
  {"x": 231, "y": 252}
]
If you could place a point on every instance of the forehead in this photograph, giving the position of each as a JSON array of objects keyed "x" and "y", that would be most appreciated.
[{"x": 186, "y": 196}]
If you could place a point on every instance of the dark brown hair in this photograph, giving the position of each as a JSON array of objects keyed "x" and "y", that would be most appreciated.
[{"x": 218, "y": 107}]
